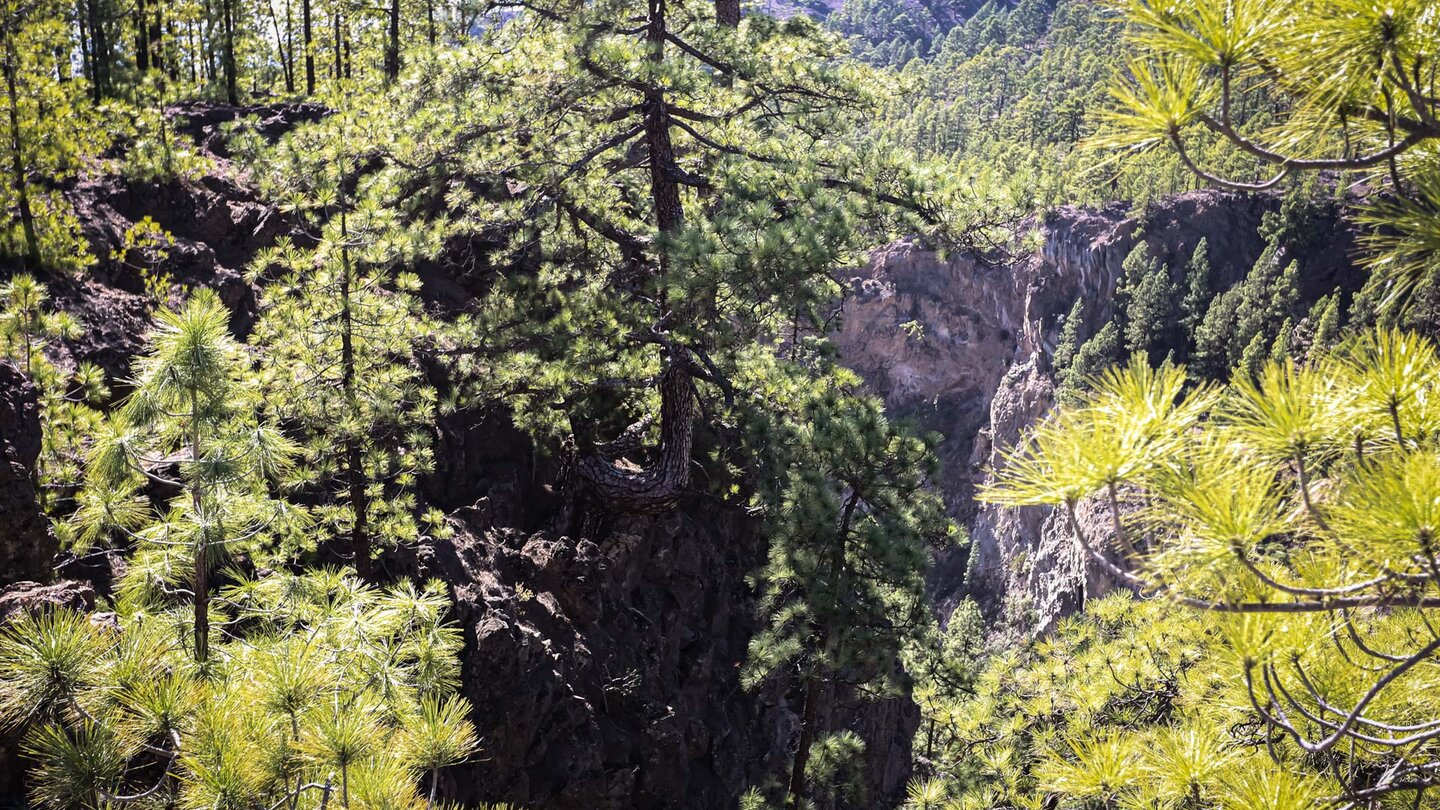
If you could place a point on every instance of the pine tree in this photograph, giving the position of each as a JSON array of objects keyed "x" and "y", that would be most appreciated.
[
  {"x": 1256, "y": 352},
  {"x": 1281, "y": 348},
  {"x": 340, "y": 327},
  {"x": 193, "y": 407},
  {"x": 48, "y": 131},
  {"x": 1069, "y": 340},
  {"x": 1351, "y": 440},
  {"x": 841, "y": 596},
  {"x": 316, "y": 700},
  {"x": 1150, "y": 311},
  {"x": 68, "y": 413},
  {"x": 1196, "y": 302},
  {"x": 1325, "y": 325},
  {"x": 1216, "y": 334},
  {"x": 1325, "y": 634},
  {"x": 1098, "y": 353},
  {"x": 677, "y": 212}
]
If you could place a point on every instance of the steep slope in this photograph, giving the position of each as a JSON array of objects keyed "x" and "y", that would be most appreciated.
[
  {"x": 966, "y": 348},
  {"x": 604, "y": 670}
]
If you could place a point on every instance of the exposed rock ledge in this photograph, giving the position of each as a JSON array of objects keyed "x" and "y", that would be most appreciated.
[{"x": 965, "y": 349}]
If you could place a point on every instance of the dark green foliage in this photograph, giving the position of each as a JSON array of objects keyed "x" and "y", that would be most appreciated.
[
  {"x": 1098, "y": 353},
  {"x": 1069, "y": 341},
  {"x": 852, "y": 519},
  {"x": 1324, "y": 321},
  {"x": 1149, "y": 299},
  {"x": 1198, "y": 290},
  {"x": 1281, "y": 349}
]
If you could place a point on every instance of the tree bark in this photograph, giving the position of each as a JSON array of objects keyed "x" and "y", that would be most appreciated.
[
  {"x": 287, "y": 57},
  {"x": 664, "y": 188},
  {"x": 99, "y": 51},
  {"x": 335, "y": 34},
  {"x": 807, "y": 739},
  {"x": 658, "y": 487},
  {"x": 202, "y": 547},
  {"x": 727, "y": 13},
  {"x": 354, "y": 453},
  {"x": 142, "y": 37},
  {"x": 307, "y": 33},
  {"x": 157, "y": 35},
  {"x": 227, "y": 10},
  {"x": 17, "y": 161},
  {"x": 87, "y": 62},
  {"x": 392, "y": 47},
  {"x": 814, "y": 680}
]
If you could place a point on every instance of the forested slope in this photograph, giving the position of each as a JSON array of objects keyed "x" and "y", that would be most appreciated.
[{"x": 680, "y": 404}]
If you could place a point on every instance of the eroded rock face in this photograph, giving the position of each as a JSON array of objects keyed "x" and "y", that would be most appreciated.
[
  {"x": 27, "y": 544},
  {"x": 20, "y": 597},
  {"x": 606, "y": 675},
  {"x": 965, "y": 348}
]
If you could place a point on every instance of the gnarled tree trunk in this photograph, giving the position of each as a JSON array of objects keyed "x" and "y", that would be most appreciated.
[{"x": 617, "y": 487}]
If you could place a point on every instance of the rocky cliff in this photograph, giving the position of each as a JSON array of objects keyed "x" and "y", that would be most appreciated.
[{"x": 964, "y": 348}]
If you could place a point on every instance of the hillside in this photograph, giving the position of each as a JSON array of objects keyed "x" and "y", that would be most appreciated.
[{"x": 591, "y": 405}]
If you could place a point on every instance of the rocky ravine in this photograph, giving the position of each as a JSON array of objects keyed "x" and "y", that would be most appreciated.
[
  {"x": 604, "y": 671},
  {"x": 978, "y": 368}
]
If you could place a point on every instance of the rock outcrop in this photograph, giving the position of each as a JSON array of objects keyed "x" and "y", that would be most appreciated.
[
  {"x": 27, "y": 545},
  {"x": 606, "y": 675},
  {"x": 965, "y": 348},
  {"x": 22, "y": 597}
]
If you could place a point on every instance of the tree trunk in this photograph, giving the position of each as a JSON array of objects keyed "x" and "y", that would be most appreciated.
[
  {"x": 142, "y": 37},
  {"x": 814, "y": 680},
  {"x": 307, "y": 34},
  {"x": 202, "y": 548},
  {"x": 287, "y": 60},
  {"x": 157, "y": 35},
  {"x": 656, "y": 488},
  {"x": 82, "y": 35},
  {"x": 290, "y": 48},
  {"x": 99, "y": 51},
  {"x": 727, "y": 13},
  {"x": 392, "y": 47},
  {"x": 354, "y": 453},
  {"x": 430, "y": 22},
  {"x": 339, "y": 60},
  {"x": 227, "y": 10},
  {"x": 207, "y": 43},
  {"x": 17, "y": 162},
  {"x": 807, "y": 739},
  {"x": 664, "y": 188},
  {"x": 193, "y": 35}
]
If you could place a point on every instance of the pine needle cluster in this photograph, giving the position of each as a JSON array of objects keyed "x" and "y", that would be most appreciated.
[{"x": 323, "y": 692}]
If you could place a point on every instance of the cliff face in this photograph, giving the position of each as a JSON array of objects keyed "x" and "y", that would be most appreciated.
[{"x": 964, "y": 348}]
